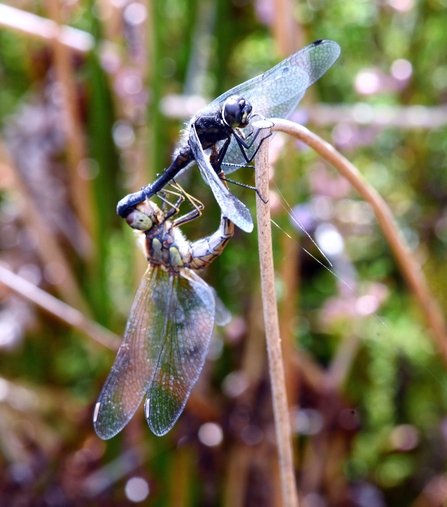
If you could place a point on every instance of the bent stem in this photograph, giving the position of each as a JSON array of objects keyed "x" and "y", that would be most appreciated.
[
  {"x": 407, "y": 263},
  {"x": 59, "y": 309},
  {"x": 276, "y": 366}
]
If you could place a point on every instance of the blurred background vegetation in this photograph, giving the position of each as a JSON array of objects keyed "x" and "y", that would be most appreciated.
[{"x": 90, "y": 113}]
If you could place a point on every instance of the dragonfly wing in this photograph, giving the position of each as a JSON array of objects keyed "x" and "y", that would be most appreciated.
[
  {"x": 222, "y": 315},
  {"x": 289, "y": 78},
  {"x": 277, "y": 92},
  {"x": 188, "y": 328},
  {"x": 129, "y": 378},
  {"x": 231, "y": 207}
]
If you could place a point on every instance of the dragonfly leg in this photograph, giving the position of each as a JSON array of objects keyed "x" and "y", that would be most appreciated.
[
  {"x": 246, "y": 146},
  {"x": 239, "y": 184},
  {"x": 189, "y": 217},
  {"x": 217, "y": 163},
  {"x": 192, "y": 215},
  {"x": 237, "y": 166},
  {"x": 193, "y": 200},
  {"x": 174, "y": 207},
  {"x": 130, "y": 201}
]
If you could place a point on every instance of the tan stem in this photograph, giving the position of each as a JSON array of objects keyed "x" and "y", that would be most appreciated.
[
  {"x": 276, "y": 367},
  {"x": 45, "y": 29},
  {"x": 73, "y": 127}
]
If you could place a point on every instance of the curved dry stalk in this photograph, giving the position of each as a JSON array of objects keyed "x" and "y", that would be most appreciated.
[
  {"x": 407, "y": 263},
  {"x": 270, "y": 310},
  {"x": 58, "y": 308}
]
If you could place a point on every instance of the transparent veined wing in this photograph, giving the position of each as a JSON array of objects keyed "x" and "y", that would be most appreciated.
[
  {"x": 231, "y": 207},
  {"x": 129, "y": 378},
  {"x": 163, "y": 352},
  {"x": 183, "y": 346},
  {"x": 223, "y": 315},
  {"x": 277, "y": 92}
]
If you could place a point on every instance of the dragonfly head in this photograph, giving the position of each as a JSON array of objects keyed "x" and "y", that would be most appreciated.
[
  {"x": 145, "y": 217},
  {"x": 236, "y": 112},
  {"x": 139, "y": 221}
]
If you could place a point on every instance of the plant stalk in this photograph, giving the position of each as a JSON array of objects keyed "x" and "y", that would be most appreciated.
[
  {"x": 58, "y": 308},
  {"x": 276, "y": 366}
]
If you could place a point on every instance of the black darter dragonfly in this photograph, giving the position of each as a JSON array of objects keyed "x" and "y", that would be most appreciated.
[
  {"x": 276, "y": 93},
  {"x": 170, "y": 324}
]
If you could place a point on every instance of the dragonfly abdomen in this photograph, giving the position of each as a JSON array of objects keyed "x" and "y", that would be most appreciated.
[
  {"x": 204, "y": 251},
  {"x": 210, "y": 131}
]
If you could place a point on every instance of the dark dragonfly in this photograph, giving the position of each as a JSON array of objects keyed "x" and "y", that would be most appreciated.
[
  {"x": 170, "y": 325},
  {"x": 276, "y": 93}
]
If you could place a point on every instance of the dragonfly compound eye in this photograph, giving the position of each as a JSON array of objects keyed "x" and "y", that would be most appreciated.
[
  {"x": 139, "y": 221},
  {"x": 236, "y": 111}
]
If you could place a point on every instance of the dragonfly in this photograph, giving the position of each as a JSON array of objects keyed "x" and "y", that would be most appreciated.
[
  {"x": 226, "y": 124},
  {"x": 170, "y": 326}
]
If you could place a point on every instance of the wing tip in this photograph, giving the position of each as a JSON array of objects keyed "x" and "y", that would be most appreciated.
[
  {"x": 104, "y": 431},
  {"x": 330, "y": 42}
]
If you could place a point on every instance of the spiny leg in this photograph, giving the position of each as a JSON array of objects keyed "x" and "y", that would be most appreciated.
[
  {"x": 175, "y": 207},
  {"x": 246, "y": 146},
  {"x": 216, "y": 162},
  {"x": 192, "y": 215},
  {"x": 198, "y": 205},
  {"x": 239, "y": 184}
]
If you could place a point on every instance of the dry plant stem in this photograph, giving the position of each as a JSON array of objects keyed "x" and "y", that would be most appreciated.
[
  {"x": 276, "y": 367},
  {"x": 61, "y": 310},
  {"x": 235, "y": 489},
  {"x": 286, "y": 31},
  {"x": 114, "y": 471},
  {"x": 433, "y": 493},
  {"x": 242, "y": 458},
  {"x": 73, "y": 128},
  {"x": 45, "y": 29},
  {"x": 341, "y": 363},
  {"x": 408, "y": 265},
  {"x": 47, "y": 246}
]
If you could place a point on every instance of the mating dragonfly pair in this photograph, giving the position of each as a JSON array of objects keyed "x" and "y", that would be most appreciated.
[{"x": 174, "y": 311}]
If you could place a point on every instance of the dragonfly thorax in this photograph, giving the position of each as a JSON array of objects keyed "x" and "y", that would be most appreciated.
[
  {"x": 162, "y": 250},
  {"x": 236, "y": 112}
]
